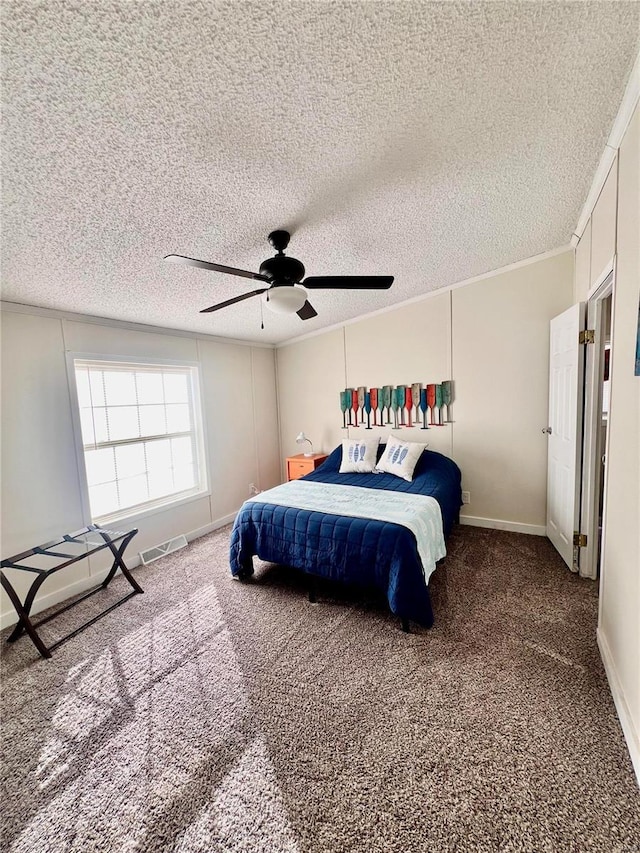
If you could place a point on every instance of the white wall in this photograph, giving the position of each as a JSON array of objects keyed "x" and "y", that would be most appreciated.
[
  {"x": 492, "y": 338},
  {"x": 41, "y": 495},
  {"x": 614, "y": 227},
  {"x": 310, "y": 374},
  {"x": 501, "y": 371},
  {"x": 410, "y": 344}
]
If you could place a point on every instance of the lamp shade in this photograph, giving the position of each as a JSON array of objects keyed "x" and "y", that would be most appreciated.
[
  {"x": 300, "y": 439},
  {"x": 286, "y": 299}
]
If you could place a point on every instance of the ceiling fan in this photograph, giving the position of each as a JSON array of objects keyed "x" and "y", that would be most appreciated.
[{"x": 286, "y": 292}]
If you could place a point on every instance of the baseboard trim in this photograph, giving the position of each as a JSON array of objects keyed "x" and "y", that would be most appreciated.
[
  {"x": 43, "y": 602},
  {"x": 209, "y": 528},
  {"x": 500, "y": 524},
  {"x": 631, "y": 735}
]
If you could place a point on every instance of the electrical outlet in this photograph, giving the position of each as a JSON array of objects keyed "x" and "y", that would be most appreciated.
[{"x": 466, "y": 497}]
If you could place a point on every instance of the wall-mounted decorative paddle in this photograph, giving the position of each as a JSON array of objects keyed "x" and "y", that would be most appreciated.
[{"x": 405, "y": 402}]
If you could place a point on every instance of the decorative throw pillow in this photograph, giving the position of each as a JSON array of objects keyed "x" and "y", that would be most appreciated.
[
  {"x": 359, "y": 455},
  {"x": 400, "y": 458}
]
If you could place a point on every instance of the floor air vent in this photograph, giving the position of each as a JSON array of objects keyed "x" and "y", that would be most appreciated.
[{"x": 163, "y": 549}]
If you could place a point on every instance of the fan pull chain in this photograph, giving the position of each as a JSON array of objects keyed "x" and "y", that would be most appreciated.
[{"x": 262, "y": 315}]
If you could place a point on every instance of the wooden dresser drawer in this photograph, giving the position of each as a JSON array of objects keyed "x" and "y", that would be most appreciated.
[
  {"x": 298, "y": 466},
  {"x": 298, "y": 469}
]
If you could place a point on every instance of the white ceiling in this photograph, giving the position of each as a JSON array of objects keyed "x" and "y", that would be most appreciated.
[{"x": 429, "y": 141}]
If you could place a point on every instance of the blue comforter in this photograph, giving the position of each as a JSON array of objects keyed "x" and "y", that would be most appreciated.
[{"x": 353, "y": 550}]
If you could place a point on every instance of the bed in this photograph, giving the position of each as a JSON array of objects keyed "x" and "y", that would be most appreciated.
[{"x": 361, "y": 551}]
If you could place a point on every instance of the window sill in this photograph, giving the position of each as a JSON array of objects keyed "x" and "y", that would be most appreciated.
[{"x": 133, "y": 515}]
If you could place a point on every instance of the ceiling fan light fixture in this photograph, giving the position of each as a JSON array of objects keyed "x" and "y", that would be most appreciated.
[{"x": 285, "y": 299}]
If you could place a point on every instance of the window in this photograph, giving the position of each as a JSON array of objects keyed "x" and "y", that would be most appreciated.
[{"x": 142, "y": 435}]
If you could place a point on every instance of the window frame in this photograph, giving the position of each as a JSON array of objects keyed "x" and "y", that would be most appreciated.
[{"x": 152, "y": 507}]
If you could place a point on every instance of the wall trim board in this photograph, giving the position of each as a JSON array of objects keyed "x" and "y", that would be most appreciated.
[
  {"x": 256, "y": 449},
  {"x": 608, "y": 268},
  {"x": 283, "y": 472},
  {"x": 424, "y": 296},
  {"x": 631, "y": 736},
  {"x": 43, "y": 602},
  {"x": 605, "y": 165},
  {"x": 618, "y": 129},
  {"x": 21, "y": 308},
  {"x": 500, "y": 524}
]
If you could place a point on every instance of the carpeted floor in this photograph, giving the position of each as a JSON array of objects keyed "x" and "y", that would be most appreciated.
[{"x": 209, "y": 715}]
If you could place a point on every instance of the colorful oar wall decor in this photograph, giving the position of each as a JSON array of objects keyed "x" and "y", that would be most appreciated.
[{"x": 416, "y": 405}]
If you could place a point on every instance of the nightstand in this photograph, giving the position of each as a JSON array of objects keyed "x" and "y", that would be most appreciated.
[{"x": 299, "y": 465}]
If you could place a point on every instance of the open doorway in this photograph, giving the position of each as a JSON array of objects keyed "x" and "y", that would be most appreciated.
[
  {"x": 597, "y": 409},
  {"x": 605, "y": 384}
]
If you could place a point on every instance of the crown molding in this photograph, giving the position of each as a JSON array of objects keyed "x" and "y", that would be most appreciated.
[
  {"x": 21, "y": 308},
  {"x": 424, "y": 296},
  {"x": 614, "y": 141}
]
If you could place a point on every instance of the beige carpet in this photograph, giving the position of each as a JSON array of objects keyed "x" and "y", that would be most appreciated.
[{"x": 209, "y": 715}]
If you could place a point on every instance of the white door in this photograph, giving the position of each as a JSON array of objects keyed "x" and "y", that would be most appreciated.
[{"x": 566, "y": 371}]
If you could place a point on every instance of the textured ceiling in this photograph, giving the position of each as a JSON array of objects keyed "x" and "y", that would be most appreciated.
[{"x": 430, "y": 141}]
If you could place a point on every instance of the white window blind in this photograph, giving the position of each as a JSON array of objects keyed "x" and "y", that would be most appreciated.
[{"x": 141, "y": 435}]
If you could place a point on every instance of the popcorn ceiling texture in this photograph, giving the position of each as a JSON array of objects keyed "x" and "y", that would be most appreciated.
[{"x": 431, "y": 141}]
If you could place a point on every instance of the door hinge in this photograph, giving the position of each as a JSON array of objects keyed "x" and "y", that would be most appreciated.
[
  {"x": 579, "y": 540},
  {"x": 588, "y": 336}
]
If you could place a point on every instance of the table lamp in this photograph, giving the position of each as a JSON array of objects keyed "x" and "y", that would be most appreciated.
[{"x": 302, "y": 438}]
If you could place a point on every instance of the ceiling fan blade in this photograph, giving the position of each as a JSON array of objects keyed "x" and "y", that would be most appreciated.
[
  {"x": 307, "y": 311},
  {"x": 208, "y": 265},
  {"x": 349, "y": 282},
  {"x": 233, "y": 301}
]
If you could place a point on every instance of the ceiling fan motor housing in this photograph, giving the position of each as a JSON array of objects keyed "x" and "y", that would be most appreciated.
[{"x": 282, "y": 270}]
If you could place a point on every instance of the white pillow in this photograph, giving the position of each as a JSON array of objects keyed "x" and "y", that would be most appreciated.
[
  {"x": 359, "y": 455},
  {"x": 400, "y": 458}
]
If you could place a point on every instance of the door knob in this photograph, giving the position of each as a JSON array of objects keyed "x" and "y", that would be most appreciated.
[{"x": 547, "y": 430}]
